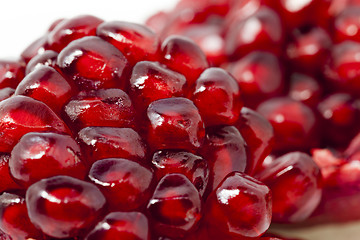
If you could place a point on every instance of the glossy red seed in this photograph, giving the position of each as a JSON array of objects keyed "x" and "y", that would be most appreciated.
[
  {"x": 343, "y": 67},
  {"x": 294, "y": 123},
  {"x": 47, "y": 58},
  {"x": 295, "y": 183},
  {"x": 174, "y": 123},
  {"x": 20, "y": 115},
  {"x": 240, "y": 207},
  {"x": 184, "y": 56},
  {"x": 14, "y": 219},
  {"x": 175, "y": 207},
  {"x": 7, "y": 182},
  {"x": 225, "y": 151},
  {"x": 135, "y": 41},
  {"x": 111, "y": 142},
  {"x": 71, "y": 29},
  {"x": 258, "y": 134},
  {"x": 48, "y": 86},
  {"x": 42, "y": 155},
  {"x": 11, "y": 73},
  {"x": 151, "y": 81},
  {"x": 121, "y": 226},
  {"x": 194, "y": 167},
  {"x": 309, "y": 49},
  {"x": 217, "y": 96},
  {"x": 305, "y": 89},
  {"x": 260, "y": 31},
  {"x": 103, "y": 107},
  {"x": 64, "y": 207},
  {"x": 259, "y": 75},
  {"x": 93, "y": 63},
  {"x": 347, "y": 25},
  {"x": 126, "y": 184}
]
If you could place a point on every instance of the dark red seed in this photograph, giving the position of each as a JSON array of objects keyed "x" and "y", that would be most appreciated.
[{"x": 47, "y": 58}]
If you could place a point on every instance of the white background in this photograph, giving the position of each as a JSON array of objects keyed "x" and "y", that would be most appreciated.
[{"x": 23, "y": 21}]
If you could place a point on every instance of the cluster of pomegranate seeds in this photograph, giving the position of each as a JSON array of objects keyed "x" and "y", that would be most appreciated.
[{"x": 248, "y": 116}]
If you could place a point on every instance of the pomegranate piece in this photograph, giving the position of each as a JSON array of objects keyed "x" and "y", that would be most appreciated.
[
  {"x": 239, "y": 208},
  {"x": 295, "y": 183},
  {"x": 7, "y": 182},
  {"x": 174, "y": 123},
  {"x": 103, "y": 107},
  {"x": 294, "y": 123},
  {"x": 68, "y": 30},
  {"x": 93, "y": 63},
  {"x": 20, "y": 115},
  {"x": 121, "y": 226},
  {"x": 340, "y": 116},
  {"x": 37, "y": 47},
  {"x": 175, "y": 207},
  {"x": 225, "y": 151},
  {"x": 14, "y": 219},
  {"x": 217, "y": 96},
  {"x": 64, "y": 207},
  {"x": 111, "y": 142},
  {"x": 11, "y": 73},
  {"x": 194, "y": 167},
  {"x": 259, "y": 137},
  {"x": 42, "y": 155},
  {"x": 182, "y": 55},
  {"x": 47, "y": 58},
  {"x": 260, "y": 31},
  {"x": 6, "y": 93},
  {"x": 342, "y": 69},
  {"x": 126, "y": 184},
  {"x": 48, "y": 86},
  {"x": 347, "y": 25},
  {"x": 137, "y": 42},
  {"x": 305, "y": 89},
  {"x": 151, "y": 81},
  {"x": 259, "y": 75},
  {"x": 309, "y": 49}
]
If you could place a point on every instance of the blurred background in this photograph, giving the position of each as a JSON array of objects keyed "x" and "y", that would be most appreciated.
[{"x": 21, "y": 22}]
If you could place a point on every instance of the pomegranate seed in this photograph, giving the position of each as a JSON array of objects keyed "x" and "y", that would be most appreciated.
[
  {"x": 41, "y": 155},
  {"x": 94, "y": 63},
  {"x": 240, "y": 207},
  {"x": 225, "y": 151},
  {"x": 6, "y": 93},
  {"x": 217, "y": 96},
  {"x": 68, "y": 30},
  {"x": 175, "y": 207},
  {"x": 103, "y": 107},
  {"x": 194, "y": 167},
  {"x": 125, "y": 184},
  {"x": 297, "y": 175},
  {"x": 137, "y": 42},
  {"x": 7, "y": 182},
  {"x": 47, "y": 58},
  {"x": 48, "y": 86},
  {"x": 111, "y": 142},
  {"x": 37, "y": 47},
  {"x": 184, "y": 56},
  {"x": 305, "y": 89},
  {"x": 347, "y": 25},
  {"x": 63, "y": 206},
  {"x": 11, "y": 73},
  {"x": 121, "y": 225},
  {"x": 20, "y": 115},
  {"x": 14, "y": 219},
  {"x": 174, "y": 123}
]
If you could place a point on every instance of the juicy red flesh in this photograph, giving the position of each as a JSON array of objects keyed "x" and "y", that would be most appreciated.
[
  {"x": 121, "y": 226},
  {"x": 42, "y": 155},
  {"x": 93, "y": 63},
  {"x": 11, "y": 73},
  {"x": 240, "y": 207},
  {"x": 7, "y": 182},
  {"x": 63, "y": 207},
  {"x": 126, "y": 184},
  {"x": 174, "y": 123},
  {"x": 175, "y": 207}
]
